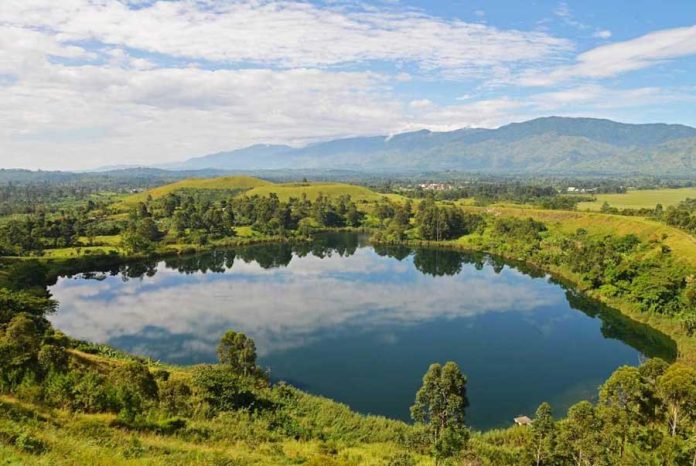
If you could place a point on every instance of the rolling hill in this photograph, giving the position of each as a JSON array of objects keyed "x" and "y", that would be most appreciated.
[
  {"x": 544, "y": 145},
  {"x": 226, "y": 183},
  {"x": 255, "y": 186}
]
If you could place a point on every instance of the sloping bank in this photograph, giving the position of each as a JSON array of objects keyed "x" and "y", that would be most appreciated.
[{"x": 674, "y": 248}]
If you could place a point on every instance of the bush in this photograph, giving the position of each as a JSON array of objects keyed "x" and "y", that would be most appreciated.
[
  {"x": 175, "y": 397},
  {"x": 221, "y": 389},
  {"x": 53, "y": 358},
  {"x": 136, "y": 377},
  {"x": 86, "y": 392}
]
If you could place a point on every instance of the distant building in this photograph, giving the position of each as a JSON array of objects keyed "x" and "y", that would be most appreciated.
[
  {"x": 435, "y": 186},
  {"x": 573, "y": 189},
  {"x": 523, "y": 421}
]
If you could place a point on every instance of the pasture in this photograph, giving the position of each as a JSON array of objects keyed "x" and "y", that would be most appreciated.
[{"x": 640, "y": 199}]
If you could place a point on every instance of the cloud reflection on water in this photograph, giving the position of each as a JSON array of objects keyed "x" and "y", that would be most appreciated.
[{"x": 285, "y": 307}]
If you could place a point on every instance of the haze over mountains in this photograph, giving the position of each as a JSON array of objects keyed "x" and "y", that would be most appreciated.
[{"x": 543, "y": 145}]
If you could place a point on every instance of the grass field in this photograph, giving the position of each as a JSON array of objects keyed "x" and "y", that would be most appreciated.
[
  {"x": 638, "y": 199},
  {"x": 223, "y": 183},
  {"x": 312, "y": 190},
  {"x": 254, "y": 186}
]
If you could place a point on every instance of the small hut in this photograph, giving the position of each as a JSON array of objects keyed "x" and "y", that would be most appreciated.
[{"x": 523, "y": 421}]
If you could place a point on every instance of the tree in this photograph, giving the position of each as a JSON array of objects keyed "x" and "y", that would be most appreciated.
[
  {"x": 543, "y": 435},
  {"x": 19, "y": 348},
  {"x": 441, "y": 404},
  {"x": 677, "y": 388},
  {"x": 622, "y": 396},
  {"x": 580, "y": 435},
  {"x": 238, "y": 351}
]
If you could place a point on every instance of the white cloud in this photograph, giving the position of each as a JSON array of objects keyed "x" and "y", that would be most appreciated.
[
  {"x": 621, "y": 57},
  {"x": 593, "y": 96},
  {"x": 486, "y": 113},
  {"x": 420, "y": 103},
  {"x": 85, "y": 83},
  {"x": 241, "y": 300},
  {"x": 603, "y": 34},
  {"x": 157, "y": 115},
  {"x": 285, "y": 33}
]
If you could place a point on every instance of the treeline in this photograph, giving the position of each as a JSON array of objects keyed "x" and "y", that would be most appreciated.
[
  {"x": 41, "y": 230},
  {"x": 644, "y": 273},
  {"x": 195, "y": 220},
  {"x": 547, "y": 197},
  {"x": 176, "y": 218},
  {"x": 683, "y": 215}
]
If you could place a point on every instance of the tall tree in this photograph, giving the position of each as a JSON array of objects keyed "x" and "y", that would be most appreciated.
[
  {"x": 677, "y": 388},
  {"x": 237, "y": 351},
  {"x": 622, "y": 397},
  {"x": 441, "y": 404},
  {"x": 543, "y": 435}
]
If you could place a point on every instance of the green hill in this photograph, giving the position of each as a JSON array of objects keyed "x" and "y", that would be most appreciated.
[
  {"x": 226, "y": 183},
  {"x": 288, "y": 190},
  {"x": 254, "y": 186}
]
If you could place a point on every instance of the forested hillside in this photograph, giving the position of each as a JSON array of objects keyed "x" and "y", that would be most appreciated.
[{"x": 544, "y": 145}]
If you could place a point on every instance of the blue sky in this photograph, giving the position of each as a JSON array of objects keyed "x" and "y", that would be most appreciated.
[{"x": 87, "y": 83}]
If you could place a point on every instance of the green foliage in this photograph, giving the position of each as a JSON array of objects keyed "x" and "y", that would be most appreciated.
[
  {"x": 13, "y": 303},
  {"x": 20, "y": 342},
  {"x": 237, "y": 351},
  {"x": 441, "y": 404},
  {"x": 221, "y": 389},
  {"x": 437, "y": 222},
  {"x": 175, "y": 397},
  {"x": 677, "y": 389},
  {"x": 542, "y": 443}
]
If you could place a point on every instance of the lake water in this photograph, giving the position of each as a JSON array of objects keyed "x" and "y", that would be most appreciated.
[{"x": 361, "y": 325}]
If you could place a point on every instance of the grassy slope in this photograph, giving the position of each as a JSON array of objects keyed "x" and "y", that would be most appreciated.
[
  {"x": 234, "y": 438},
  {"x": 637, "y": 199},
  {"x": 682, "y": 244},
  {"x": 223, "y": 183}
]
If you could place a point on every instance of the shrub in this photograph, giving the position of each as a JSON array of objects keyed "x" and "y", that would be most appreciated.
[
  {"x": 221, "y": 389},
  {"x": 53, "y": 358},
  {"x": 175, "y": 397},
  {"x": 134, "y": 376}
]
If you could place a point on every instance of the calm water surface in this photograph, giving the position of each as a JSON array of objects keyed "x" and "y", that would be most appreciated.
[{"x": 361, "y": 324}]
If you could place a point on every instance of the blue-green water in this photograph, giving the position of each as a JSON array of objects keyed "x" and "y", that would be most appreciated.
[{"x": 361, "y": 325}]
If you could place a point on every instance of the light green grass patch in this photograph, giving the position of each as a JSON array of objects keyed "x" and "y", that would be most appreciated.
[
  {"x": 640, "y": 199},
  {"x": 312, "y": 190},
  {"x": 222, "y": 183}
]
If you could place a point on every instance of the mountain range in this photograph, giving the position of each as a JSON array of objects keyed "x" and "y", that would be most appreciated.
[{"x": 549, "y": 145}]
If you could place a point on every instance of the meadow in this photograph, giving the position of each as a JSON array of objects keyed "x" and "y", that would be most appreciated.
[{"x": 640, "y": 199}]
